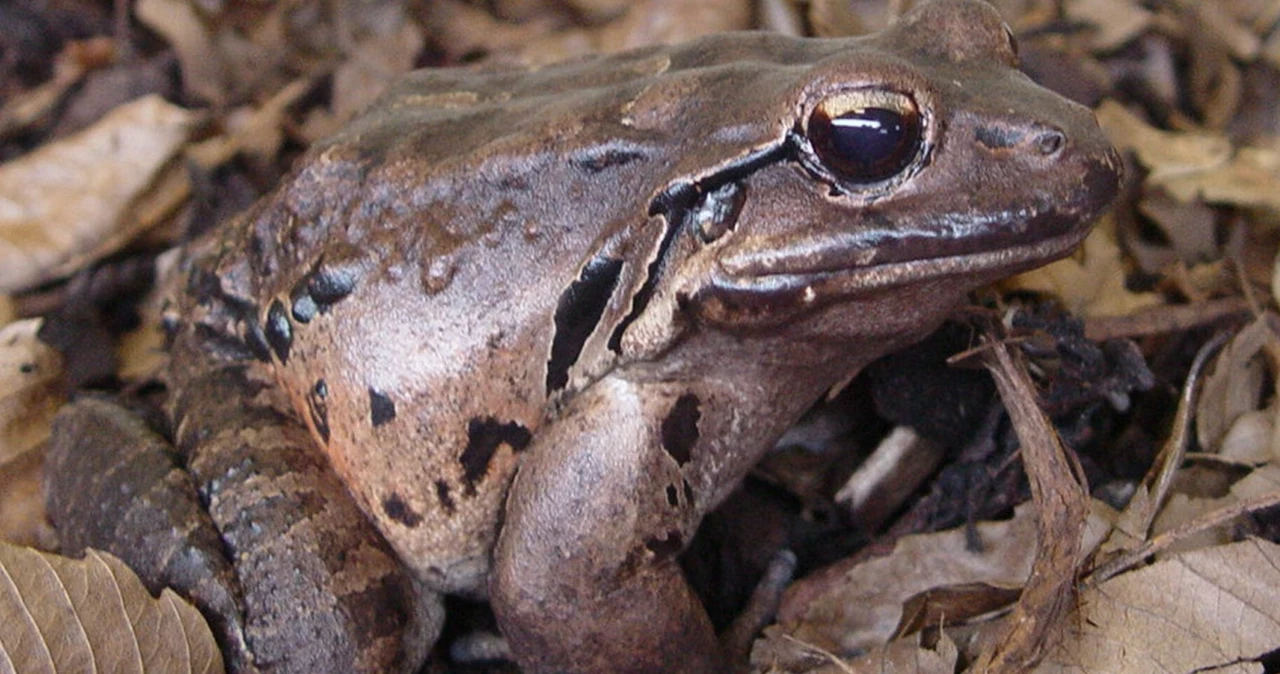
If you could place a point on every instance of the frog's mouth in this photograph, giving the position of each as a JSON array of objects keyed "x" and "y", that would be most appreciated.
[
  {"x": 868, "y": 249},
  {"x": 825, "y": 269}
]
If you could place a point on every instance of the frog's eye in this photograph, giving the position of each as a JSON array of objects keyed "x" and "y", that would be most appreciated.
[{"x": 865, "y": 136}]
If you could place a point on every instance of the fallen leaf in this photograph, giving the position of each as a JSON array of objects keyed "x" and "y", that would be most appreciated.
[
  {"x": 67, "y": 197},
  {"x": 1183, "y": 508},
  {"x": 1234, "y": 385},
  {"x": 777, "y": 653},
  {"x": 30, "y": 390},
  {"x": 204, "y": 72},
  {"x": 93, "y": 614},
  {"x": 30, "y": 393},
  {"x": 863, "y": 609},
  {"x": 1091, "y": 282},
  {"x": 1214, "y": 609},
  {"x": 1115, "y": 22},
  {"x": 22, "y": 513},
  {"x": 1196, "y": 165}
]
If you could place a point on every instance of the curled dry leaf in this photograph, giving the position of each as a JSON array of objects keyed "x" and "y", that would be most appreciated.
[
  {"x": 93, "y": 614},
  {"x": 30, "y": 393},
  {"x": 65, "y": 199},
  {"x": 1235, "y": 384},
  {"x": 862, "y": 608},
  {"x": 1214, "y": 609},
  {"x": 1194, "y": 166}
]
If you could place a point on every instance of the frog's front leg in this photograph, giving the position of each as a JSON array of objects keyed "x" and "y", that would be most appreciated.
[{"x": 585, "y": 573}]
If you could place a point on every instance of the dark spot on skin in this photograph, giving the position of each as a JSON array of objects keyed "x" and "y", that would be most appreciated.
[
  {"x": 302, "y": 306},
  {"x": 330, "y": 282},
  {"x": 395, "y": 508},
  {"x": 601, "y": 157},
  {"x": 255, "y": 340},
  {"x": 998, "y": 137},
  {"x": 680, "y": 428},
  {"x": 446, "y": 501},
  {"x": 26, "y": 368},
  {"x": 381, "y": 409},
  {"x": 577, "y": 314},
  {"x": 673, "y": 495},
  {"x": 279, "y": 331},
  {"x": 317, "y": 404},
  {"x": 665, "y": 548},
  {"x": 484, "y": 436}
]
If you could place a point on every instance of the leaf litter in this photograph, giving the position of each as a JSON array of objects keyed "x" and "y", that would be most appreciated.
[{"x": 1165, "y": 562}]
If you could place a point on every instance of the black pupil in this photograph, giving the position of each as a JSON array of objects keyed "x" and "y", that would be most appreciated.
[{"x": 867, "y": 145}]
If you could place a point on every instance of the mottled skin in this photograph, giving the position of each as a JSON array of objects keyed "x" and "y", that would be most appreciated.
[{"x": 540, "y": 323}]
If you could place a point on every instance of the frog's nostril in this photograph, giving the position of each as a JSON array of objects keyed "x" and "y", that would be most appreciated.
[{"x": 1050, "y": 142}]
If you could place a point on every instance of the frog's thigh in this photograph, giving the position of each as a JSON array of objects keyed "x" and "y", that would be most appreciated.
[
  {"x": 323, "y": 591},
  {"x": 585, "y": 575}
]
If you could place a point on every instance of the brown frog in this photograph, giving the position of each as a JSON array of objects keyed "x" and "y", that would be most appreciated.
[{"x": 539, "y": 323}]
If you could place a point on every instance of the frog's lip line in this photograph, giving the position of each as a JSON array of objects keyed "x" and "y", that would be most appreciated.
[{"x": 1008, "y": 259}]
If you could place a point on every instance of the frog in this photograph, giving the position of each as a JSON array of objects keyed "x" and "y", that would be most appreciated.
[{"x": 523, "y": 329}]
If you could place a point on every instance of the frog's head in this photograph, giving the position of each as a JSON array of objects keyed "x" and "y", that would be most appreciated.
[{"x": 910, "y": 167}]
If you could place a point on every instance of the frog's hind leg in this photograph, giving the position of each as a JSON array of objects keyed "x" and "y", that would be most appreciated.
[
  {"x": 113, "y": 483},
  {"x": 321, "y": 590}
]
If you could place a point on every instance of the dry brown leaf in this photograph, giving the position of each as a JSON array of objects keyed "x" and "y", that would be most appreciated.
[
  {"x": 1115, "y": 22},
  {"x": 373, "y": 65},
  {"x": 463, "y": 28},
  {"x": 67, "y": 197},
  {"x": 22, "y": 513},
  {"x": 1091, "y": 282},
  {"x": 204, "y": 73},
  {"x": 775, "y": 654},
  {"x": 30, "y": 107},
  {"x": 30, "y": 388},
  {"x": 1251, "y": 178},
  {"x": 1251, "y": 439},
  {"x": 1213, "y": 609},
  {"x": 1190, "y": 229},
  {"x": 1196, "y": 165},
  {"x": 1182, "y": 509},
  {"x": 1164, "y": 153},
  {"x": 93, "y": 614},
  {"x": 1234, "y": 385},
  {"x": 30, "y": 393},
  {"x": 863, "y": 610}
]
